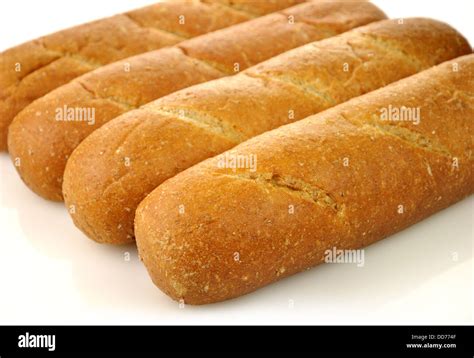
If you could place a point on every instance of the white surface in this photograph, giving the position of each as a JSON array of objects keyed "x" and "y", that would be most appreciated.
[{"x": 51, "y": 274}]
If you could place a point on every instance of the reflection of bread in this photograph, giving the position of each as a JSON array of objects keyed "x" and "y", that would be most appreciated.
[
  {"x": 114, "y": 169},
  {"x": 54, "y": 60},
  {"x": 112, "y": 91},
  {"x": 350, "y": 177}
]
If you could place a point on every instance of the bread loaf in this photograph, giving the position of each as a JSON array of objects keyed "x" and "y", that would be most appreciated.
[
  {"x": 41, "y": 142},
  {"x": 341, "y": 179},
  {"x": 113, "y": 170},
  {"x": 31, "y": 70}
]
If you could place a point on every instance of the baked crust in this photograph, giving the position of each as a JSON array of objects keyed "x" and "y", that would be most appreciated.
[
  {"x": 54, "y": 60},
  {"x": 111, "y": 90},
  {"x": 115, "y": 168},
  {"x": 191, "y": 227}
]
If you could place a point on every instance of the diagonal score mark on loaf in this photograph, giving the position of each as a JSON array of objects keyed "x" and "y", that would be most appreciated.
[
  {"x": 118, "y": 101},
  {"x": 202, "y": 120},
  {"x": 87, "y": 62},
  {"x": 32, "y": 72},
  {"x": 300, "y": 84},
  {"x": 321, "y": 88},
  {"x": 362, "y": 62},
  {"x": 178, "y": 36},
  {"x": 458, "y": 94},
  {"x": 58, "y": 55},
  {"x": 394, "y": 50},
  {"x": 224, "y": 70},
  {"x": 232, "y": 7},
  {"x": 293, "y": 186},
  {"x": 326, "y": 33},
  {"x": 406, "y": 135}
]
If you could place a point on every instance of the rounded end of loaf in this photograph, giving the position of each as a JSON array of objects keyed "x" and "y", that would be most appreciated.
[
  {"x": 184, "y": 257},
  {"x": 10, "y": 105},
  {"x": 115, "y": 168},
  {"x": 18, "y": 76},
  {"x": 93, "y": 187},
  {"x": 33, "y": 151},
  {"x": 44, "y": 134},
  {"x": 206, "y": 238},
  {"x": 418, "y": 36}
]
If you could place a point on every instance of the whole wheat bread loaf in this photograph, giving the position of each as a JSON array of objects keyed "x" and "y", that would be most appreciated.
[
  {"x": 342, "y": 179},
  {"x": 40, "y": 142},
  {"x": 31, "y": 70},
  {"x": 114, "y": 169}
]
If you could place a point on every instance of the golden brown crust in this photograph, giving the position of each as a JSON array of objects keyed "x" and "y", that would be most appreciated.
[
  {"x": 111, "y": 90},
  {"x": 175, "y": 132},
  {"x": 53, "y": 60},
  {"x": 257, "y": 7},
  {"x": 191, "y": 229}
]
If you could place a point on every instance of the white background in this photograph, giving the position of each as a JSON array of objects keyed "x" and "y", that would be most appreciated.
[{"x": 51, "y": 274}]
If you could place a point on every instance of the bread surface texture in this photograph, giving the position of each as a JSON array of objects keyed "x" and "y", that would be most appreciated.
[
  {"x": 114, "y": 169},
  {"x": 42, "y": 142},
  {"x": 31, "y": 70},
  {"x": 342, "y": 179}
]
